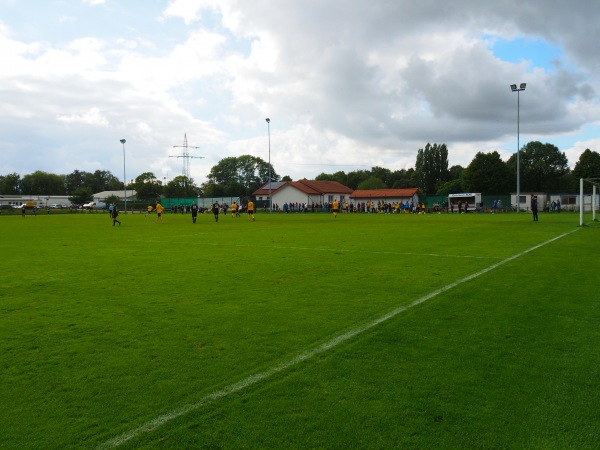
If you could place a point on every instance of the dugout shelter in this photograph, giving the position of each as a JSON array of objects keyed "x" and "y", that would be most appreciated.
[{"x": 473, "y": 199}]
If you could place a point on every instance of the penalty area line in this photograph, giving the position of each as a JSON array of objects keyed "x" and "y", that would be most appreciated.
[{"x": 308, "y": 354}]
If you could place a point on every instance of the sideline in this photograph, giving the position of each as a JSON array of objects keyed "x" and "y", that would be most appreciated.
[{"x": 255, "y": 378}]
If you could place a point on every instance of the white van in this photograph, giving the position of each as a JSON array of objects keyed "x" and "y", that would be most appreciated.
[{"x": 94, "y": 205}]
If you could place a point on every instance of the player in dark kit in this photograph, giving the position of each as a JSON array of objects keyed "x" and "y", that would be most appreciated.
[
  {"x": 114, "y": 214},
  {"x": 534, "y": 207},
  {"x": 215, "y": 210},
  {"x": 194, "y": 212}
]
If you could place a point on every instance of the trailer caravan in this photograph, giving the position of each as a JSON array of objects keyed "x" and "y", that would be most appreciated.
[{"x": 469, "y": 202}]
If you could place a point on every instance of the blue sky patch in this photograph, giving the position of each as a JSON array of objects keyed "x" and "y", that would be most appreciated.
[{"x": 539, "y": 52}]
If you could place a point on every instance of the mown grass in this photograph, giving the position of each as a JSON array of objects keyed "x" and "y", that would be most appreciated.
[{"x": 104, "y": 329}]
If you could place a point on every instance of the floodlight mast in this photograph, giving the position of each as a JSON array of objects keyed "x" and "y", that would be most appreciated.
[
  {"x": 514, "y": 88},
  {"x": 124, "y": 179},
  {"x": 269, "y": 132}
]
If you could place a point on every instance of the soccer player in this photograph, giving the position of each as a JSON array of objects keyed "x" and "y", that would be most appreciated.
[
  {"x": 336, "y": 208},
  {"x": 215, "y": 210},
  {"x": 251, "y": 210},
  {"x": 114, "y": 214},
  {"x": 194, "y": 212},
  {"x": 234, "y": 210},
  {"x": 159, "y": 210},
  {"x": 148, "y": 210},
  {"x": 534, "y": 207}
]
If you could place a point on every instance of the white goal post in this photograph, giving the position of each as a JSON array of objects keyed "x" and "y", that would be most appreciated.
[{"x": 595, "y": 183}]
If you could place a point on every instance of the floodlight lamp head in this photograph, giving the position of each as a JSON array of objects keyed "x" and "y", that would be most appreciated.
[
  {"x": 513, "y": 87},
  {"x": 522, "y": 88},
  {"x": 123, "y": 141},
  {"x": 268, "y": 120}
]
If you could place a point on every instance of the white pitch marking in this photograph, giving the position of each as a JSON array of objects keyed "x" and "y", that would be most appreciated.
[{"x": 255, "y": 378}]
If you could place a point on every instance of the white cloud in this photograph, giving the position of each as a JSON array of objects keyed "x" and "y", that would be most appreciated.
[{"x": 92, "y": 117}]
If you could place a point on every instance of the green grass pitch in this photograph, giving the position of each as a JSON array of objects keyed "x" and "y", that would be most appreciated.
[{"x": 299, "y": 331}]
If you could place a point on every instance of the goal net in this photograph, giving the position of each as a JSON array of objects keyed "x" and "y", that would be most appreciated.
[{"x": 588, "y": 203}]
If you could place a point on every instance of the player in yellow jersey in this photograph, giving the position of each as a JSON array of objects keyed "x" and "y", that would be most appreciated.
[
  {"x": 335, "y": 206},
  {"x": 159, "y": 210},
  {"x": 233, "y": 209},
  {"x": 251, "y": 210},
  {"x": 149, "y": 210}
]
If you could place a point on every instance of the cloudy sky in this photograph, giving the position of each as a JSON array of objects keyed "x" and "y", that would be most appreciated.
[{"x": 347, "y": 84}]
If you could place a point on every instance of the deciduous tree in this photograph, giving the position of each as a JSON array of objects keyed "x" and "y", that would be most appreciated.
[
  {"x": 10, "y": 184},
  {"x": 42, "y": 183},
  {"x": 147, "y": 186},
  {"x": 487, "y": 174},
  {"x": 181, "y": 187},
  {"x": 543, "y": 167},
  {"x": 239, "y": 175},
  {"x": 432, "y": 167}
]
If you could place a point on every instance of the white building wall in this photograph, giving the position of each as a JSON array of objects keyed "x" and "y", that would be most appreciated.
[
  {"x": 290, "y": 194},
  {"x": 568, "y": 202}
]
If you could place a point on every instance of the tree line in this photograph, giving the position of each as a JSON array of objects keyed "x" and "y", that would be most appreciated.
[
  {"x": 543, "y": 169},
  {"x": 232, "y": 176}
]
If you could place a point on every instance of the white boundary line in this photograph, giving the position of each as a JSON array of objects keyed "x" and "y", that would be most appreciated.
[{"x": 255, "y": 378}]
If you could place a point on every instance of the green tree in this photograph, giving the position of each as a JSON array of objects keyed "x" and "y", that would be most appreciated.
[
  {"x": 451, "y": 187},
  {"x": 341, "y": 177},
  {"x": 353, "y": 179},
  {"x": 147, "y": 186},
  {"x": 74, "y": 181},
  {"x": 216, "y": 190},
  {"x": 543, "y": 167},
  {"x": 383, "y": 174},
  {"x": 487, "y": 174},
  {"x": 237, "y": 175},
  {"x": 41, "y": 183},
  {"x": 112, "y": 199},
  {"x": 81, "y": 195},
  {"x": 588, "y": 165},
  {"x": 403, "y": 178},
  {"x": 432, "y": 167},
  {"x": 181, "y": 187},
  {"x": 455, "y": 172},
  {"x": 325, "y": 177},
  {"x": 102, "y": 180},
  {"x": 10, "y": 184},
  {"x": 372, "y": 183}
]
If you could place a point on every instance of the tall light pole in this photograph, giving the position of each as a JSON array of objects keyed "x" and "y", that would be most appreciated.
[
  {"x": 124, "y": 179},
  {"x": 269, "y": 131},
  {"x": 514, "y": 88}
]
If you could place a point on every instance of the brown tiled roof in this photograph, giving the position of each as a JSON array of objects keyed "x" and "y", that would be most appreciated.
[
  {"x": 324, "y": 187},
  {"x": 384, "y": 193},
  {"x": 310, "y": 187},
  {"x": 275, "y": 186}
]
